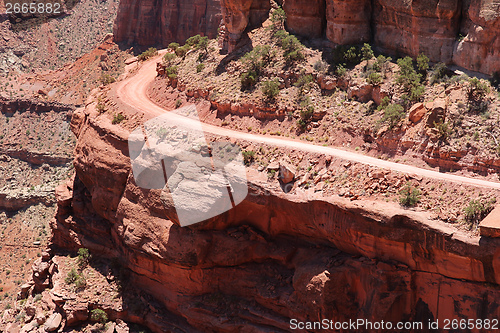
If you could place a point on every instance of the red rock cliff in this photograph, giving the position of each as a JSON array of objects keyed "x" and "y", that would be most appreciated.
[
  {"x": 161, "y": 22},
  {"x": 465, "y": 33},
  {"x": 275, "y": 256}
]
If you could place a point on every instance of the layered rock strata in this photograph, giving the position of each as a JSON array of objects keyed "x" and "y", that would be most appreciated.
[{"x": 275, "y": 256}]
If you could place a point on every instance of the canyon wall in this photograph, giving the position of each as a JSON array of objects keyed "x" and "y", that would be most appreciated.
[
  {"x": 275, "y": 256},
  {"x": 464, "y": 33},
  {"x": 149, "y": 22}
]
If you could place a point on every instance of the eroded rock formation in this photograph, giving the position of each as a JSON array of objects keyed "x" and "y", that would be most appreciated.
[
  {"x": 159, "y": 23},
  {"x": 275, "y": 256},
  {"x": 464, "y": 33}
]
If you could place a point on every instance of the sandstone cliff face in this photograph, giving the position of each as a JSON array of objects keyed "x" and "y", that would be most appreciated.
[
  {"x": 414, "y": 27},
  {"x": 397, "y": 27},
  {"x": 275, "y": 256},
  {"x": 161, "y": 22},
  {"x": 480, "y": 48}
]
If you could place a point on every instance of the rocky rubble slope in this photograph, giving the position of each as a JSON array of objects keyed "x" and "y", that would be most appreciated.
[{"x": 276, "y": 256}]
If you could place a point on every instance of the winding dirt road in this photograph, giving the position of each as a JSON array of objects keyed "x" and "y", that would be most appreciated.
[{"x": 133, "y": 92}]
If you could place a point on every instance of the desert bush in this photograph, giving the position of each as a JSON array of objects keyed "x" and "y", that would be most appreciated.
[
  {"x": 72, "y": 276},
  {"x": 477, "y": 89},
  {"x": 203, "y": 44},
  {"x": 293, "y": 49},
  {"x": 422, "y": 62},
  {"x": 321, "y": 66},
  {"x": 99, "y": 316},
  {"x": 346, "y": 54},
  {"x": 257, "y": 59},
  {"x": 151, "y": 52},
  {"x": 393, "y": 113},
  {"x": 382, "y": 64},
  {"x": 168, "y": 58},
  {"x": 181, "y": 51},
  {"x": 178, "y": 103},
  {"x": 367, "y": 52},
  {"x": 193, "y": 41},
  {"x": 444, "y": 130},
  {"x": 83, "y": 258},
  {"x": 200, "y": 68},
  {"x": 271, "y": 88},
  {"x": 107, "y": 79},
  {"x": 118, "y": 118},
  {"x": 410, "y": 81},
  {"x": 304, "y": 81},
  {"x": 340, "y": 71},
  {"x": 384, "y": 103},
  {"x": 374, "y": 78},
  {"x": 409, "y": 196},
  {"x": 438, "y": 73},
  {"x": 306, "y": 112},
  {"x": 476, "y": 93},
  {"x": 172, "y": 72},
  {"x": 280, "y": 35},
  {"x": 173, "y": 46},
  {"x": 248, "y": 156},
  {"x": 278, "y": 18},
  {"x": 248, "y": 79},
  {"x": 477, "y": 210}
]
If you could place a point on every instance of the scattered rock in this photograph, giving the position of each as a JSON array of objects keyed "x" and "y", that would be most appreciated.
[
  {"x": 53, "y": 322},
  {"x": 417, "y": 112}
]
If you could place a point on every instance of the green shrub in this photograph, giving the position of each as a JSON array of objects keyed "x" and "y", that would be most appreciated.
[
  {"x": 178, "y": 103},
  {"x": 192, "y": 41},
  {"x": 341, "y": 70},
  {"x": 248, "y": 79},
  {"x": 410, "y": 80},
  {"x": 347, "y": 54},
  {"x": 99, "y": 315},
  {"x": 382, "y": 64},
  {"x": 248, "y": 156},
  {"x": 374, "y": 78},
  {"x": 321, "y": 66},
  {"x": 278, "y": 18},
  {"x": 72, "y": 276},
  {"x": 280, "y": 35},
  {"x": 406, "y": 75},
  {"x": 151, "y": 52},
  {"x": 393, "y": 113},
  {"x": 200, "y": 68},
  {"x": 171, "y": 72},
  {"x": 367, "y": 52},
  {"x": 107, "y": 79},
  {"x": 173, "y": 46},
  {"x": 438, "y": 73},
  {"x": 202, "y": 44},
  {"x": 118, "y": 118},
  {"x": 384, "y": 103},
  {"x": 181, "y": 51},
  {"x": 422, "y": 62},
  {"x": 409, "y": 196},
  {"x": 478, "y": 209},
  {"x": 168, "y": 58},
  {"x": 306, "y": 112},
  {"x": 444, "y": 130},
  {"x": 257, "y": 59},
  {"x": 83, "y": 258},
  {"x": 304, "y": 81},
  {"x": 293, "y": 49},
  {"x": 271, "y": 88},
  {"x": 477, "y": 89}
]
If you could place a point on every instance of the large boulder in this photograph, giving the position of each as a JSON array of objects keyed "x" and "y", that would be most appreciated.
[{"x": 53, "y": 322}]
